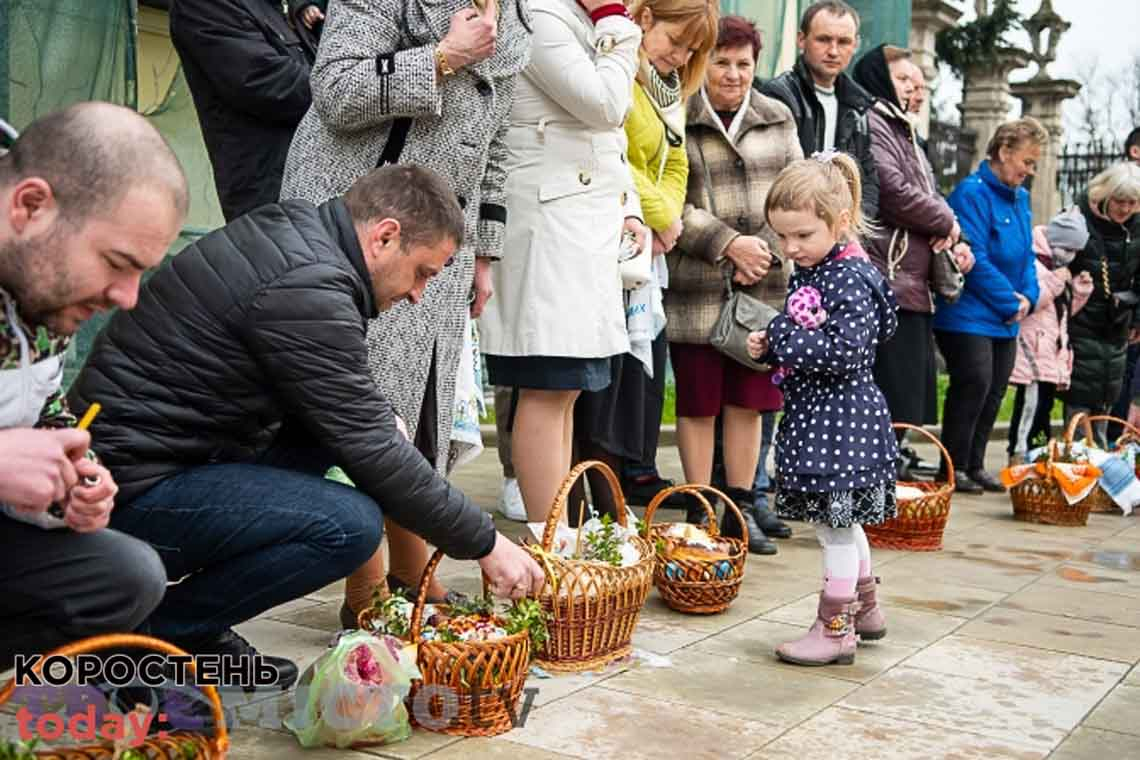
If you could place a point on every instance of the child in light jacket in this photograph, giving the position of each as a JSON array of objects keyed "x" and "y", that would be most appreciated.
[{"x": 1044, "y": 357}]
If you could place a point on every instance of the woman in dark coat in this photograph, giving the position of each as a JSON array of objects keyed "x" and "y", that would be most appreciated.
[
  {"x": 1100, "y": 332},
  {"x": 914, "y": 222}
]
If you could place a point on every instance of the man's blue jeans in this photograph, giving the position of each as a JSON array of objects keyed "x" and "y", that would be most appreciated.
[
  {"x": 239, "y": 539},
  {"x": 767, "y": 436}
]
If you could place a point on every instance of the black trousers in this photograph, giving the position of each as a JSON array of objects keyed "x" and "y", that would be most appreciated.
[
  {"x": 979, "y": 369},
  {"x": 57, "y": 586}
]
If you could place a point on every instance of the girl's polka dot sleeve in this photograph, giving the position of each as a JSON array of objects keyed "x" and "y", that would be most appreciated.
[{"x": 841, "y": 344}]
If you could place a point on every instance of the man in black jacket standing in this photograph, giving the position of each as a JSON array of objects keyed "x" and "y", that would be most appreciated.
[
  {"x": 242, "y": 376},
  {"x": 829, "y": 107},
  {"x": 248, "y": 72}
]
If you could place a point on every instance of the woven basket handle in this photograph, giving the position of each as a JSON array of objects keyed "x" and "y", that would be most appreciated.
[
  {"x": 1086, "y": 421},
  {"x": 421, "y": 598},
  {"x": 1074, "y": 423},
  {"x": 934, "y": 439},
  {"x": 564, "y": 493},
  {"x": 219, "y": 744},
  {"x": 697, "y": 489}
]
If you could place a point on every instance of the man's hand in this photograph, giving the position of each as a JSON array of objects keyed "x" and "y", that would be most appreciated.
[
  {"x": 751, "y": 258},
  {"x": 483, "y": 285},
  {"x": 471, "y": 36},
  {"x": 89, "y": 507},
  {"x": 311, "y": 16},
  {"x": 671, "y": 234},
  {"x": 510, "y": 571},
  {"x": 963, "y": 257},
  {"x": 757, "y": 344},
  {"x": 37, "y": 467},
  {"x": 634, "y": 225},
  {"x": 1133, "y": 336}
]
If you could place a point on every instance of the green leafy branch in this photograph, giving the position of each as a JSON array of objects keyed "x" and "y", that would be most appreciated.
[{"x": 977, "y": 42}]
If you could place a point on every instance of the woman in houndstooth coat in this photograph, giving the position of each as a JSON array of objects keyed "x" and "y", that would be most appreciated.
[{"x": 383, "y": 93}]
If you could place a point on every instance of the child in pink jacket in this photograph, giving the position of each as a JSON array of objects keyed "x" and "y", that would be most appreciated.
[{"x": 1044, "y": 357}]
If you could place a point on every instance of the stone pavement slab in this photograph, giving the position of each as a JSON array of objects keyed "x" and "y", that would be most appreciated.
[
  {"x": 1000, "y": 709},
  {"x": 773, "y": 697},
  {"x": 601, "y": 723},
  {"x": 840, "y": 732},
  {"x": 1094, "y": 744},
  {"x": 1120, "y": 711},
  {"x": 1046, "y": 631}
]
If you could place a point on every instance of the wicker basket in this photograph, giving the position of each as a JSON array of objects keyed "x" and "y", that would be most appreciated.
[
  {"x": 700, "y": 587},
  {"x": 476, "y": 683},
  {"x": 921, "y": 521},
  {"x": 1041, "y": 500},
  {"x": 1098, "y": 499},
  {"x": 592, "y": 607},
  {"x": 167, "y": 747}
]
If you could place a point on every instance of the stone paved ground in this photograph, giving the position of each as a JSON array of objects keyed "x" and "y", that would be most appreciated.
[{"x": 1015, "y": 641}]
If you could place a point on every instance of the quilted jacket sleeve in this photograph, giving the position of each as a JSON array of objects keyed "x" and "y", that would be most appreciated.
[
  {"x": 306, "y": 331},
  {"x": 362, "y": 76}
]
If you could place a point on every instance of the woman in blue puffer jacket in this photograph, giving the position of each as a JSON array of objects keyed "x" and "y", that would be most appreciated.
[{"x": 977, "y": 334}]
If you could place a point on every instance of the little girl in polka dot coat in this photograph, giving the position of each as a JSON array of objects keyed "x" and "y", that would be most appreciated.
[{"x": 835, "y": 449}]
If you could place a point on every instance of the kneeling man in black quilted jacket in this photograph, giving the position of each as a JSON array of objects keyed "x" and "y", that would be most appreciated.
[{"x": 241, "y": 377}]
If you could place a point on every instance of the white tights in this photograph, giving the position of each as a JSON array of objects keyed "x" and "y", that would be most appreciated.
[{"x": 846, "y": 558}]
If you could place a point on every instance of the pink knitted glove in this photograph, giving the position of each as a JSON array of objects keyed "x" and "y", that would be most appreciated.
[{"x": 805, "y": 307}]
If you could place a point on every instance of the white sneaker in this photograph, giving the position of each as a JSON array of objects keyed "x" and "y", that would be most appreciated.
[{"x": 511, "y": 501}]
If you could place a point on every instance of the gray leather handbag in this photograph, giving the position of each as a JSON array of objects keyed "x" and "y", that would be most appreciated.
[{"x": 740, "y": 314}]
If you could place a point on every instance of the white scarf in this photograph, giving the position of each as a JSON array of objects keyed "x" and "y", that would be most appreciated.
[{"x": 734, "y": 127}]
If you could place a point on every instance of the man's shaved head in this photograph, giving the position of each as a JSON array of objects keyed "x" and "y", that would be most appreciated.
[{"x": 91, "y": 154}]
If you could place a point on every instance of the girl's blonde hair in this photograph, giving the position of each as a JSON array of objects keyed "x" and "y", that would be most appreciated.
[
  {"x": 1118, "y": 182},
  {"x": 700, "y": 20},
  {"x": 825, "y": 185}
]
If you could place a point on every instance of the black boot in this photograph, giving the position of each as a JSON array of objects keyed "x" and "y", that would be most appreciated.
[
  {"x": 234, "y": 645},
  {"x": 769, "y": 523},
  {"x": 695, "y": 512},
  {"x": 758, "y": 542},
  {"x": 988, "y": 482}
]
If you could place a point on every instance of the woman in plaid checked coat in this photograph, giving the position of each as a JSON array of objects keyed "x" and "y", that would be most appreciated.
[{"x": 737, "y": 141}]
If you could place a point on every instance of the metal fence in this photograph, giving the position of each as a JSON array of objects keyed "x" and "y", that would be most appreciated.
[{"x": 1080, "y": 162}]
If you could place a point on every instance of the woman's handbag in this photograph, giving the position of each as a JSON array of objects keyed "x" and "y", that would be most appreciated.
[
  {"x": 740, "y": 315},
  {"x": 946, "y": 279}
]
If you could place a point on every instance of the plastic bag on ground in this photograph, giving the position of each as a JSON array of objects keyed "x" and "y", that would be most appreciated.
[{"x": 353, "y": 694}]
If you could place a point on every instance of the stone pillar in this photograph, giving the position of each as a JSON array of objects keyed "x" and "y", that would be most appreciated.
[
  {"x": 927, "y": 19},
  {"x": 986, "y": 98},
  {"x": 1042, "y": 100}
]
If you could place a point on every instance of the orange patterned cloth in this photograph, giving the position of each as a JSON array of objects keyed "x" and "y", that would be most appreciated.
[{"x": 1076, "y": 479}]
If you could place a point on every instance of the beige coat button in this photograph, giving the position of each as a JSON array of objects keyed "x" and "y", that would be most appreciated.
[{"x": 584, "y": 178}]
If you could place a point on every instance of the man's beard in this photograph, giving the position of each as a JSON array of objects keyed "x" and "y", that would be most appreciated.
[{"x": 34, "y": 274}]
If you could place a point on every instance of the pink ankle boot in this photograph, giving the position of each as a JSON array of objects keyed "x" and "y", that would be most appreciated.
[
  {"x": 869, "y": 621},
  {"x": 831, "y": 638}
]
